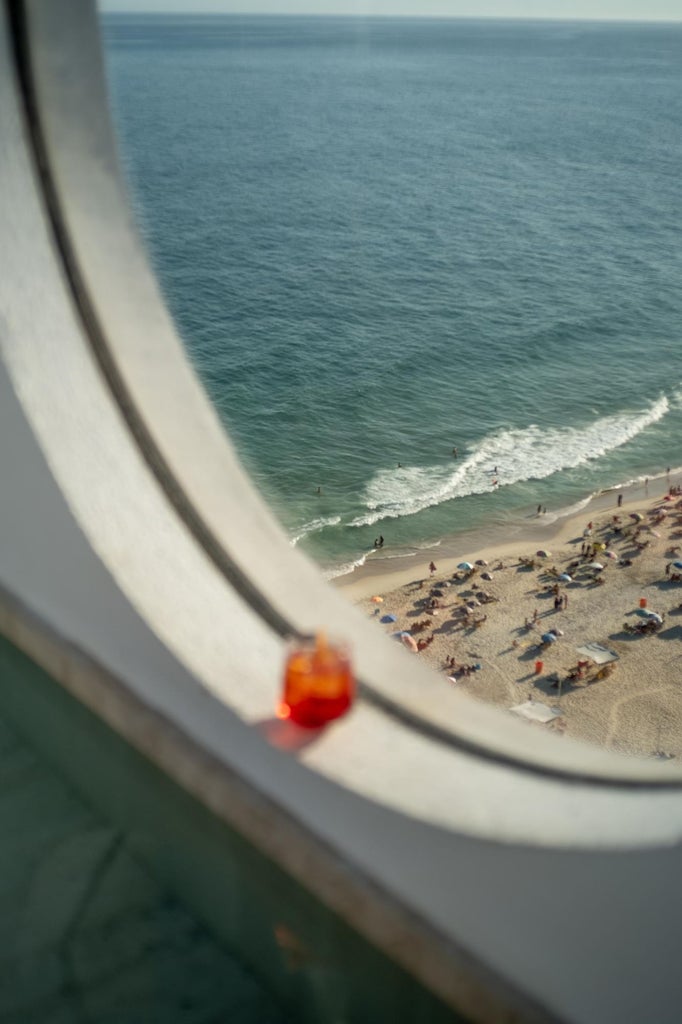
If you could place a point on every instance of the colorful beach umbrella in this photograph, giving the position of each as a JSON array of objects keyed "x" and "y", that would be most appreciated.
[
  {"x": 548, "y": 638},
  {"x": 611, "y": 554},
  {"x": 376, "y": 599},
  {"x": 465, "y": 565},
  {"x": 388, "y": 618},
  {"x": 565, "y": 578},
  {"x": 655, "y": 616},
  {"x": 678, "y": 565},
  {"x": 600, "y": 547},
  {"x": 595, "y": 565},
  {"x": 409, "y": 642}
]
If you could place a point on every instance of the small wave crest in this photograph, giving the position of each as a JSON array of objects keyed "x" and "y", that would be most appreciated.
[
  {"x": 345, "y": 567},
  {"x": 507, "y": 456},
  {"x": 568, "y": 510},
  {"x": 314, "y": 526}
]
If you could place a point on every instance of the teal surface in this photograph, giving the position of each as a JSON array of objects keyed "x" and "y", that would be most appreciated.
[
  {"x": 100, "y": 857},
  {"x": 382, "y": 238},
  {"x": 87, "y": 934}
]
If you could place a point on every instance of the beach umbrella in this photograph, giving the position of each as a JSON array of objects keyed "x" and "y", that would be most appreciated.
[
  {"x": 565, "y": 578},
  {"x": 543, "y": 554},
  {"x": 548, "y": 638},
  {"x": 611, "y": 554},
  {"x": 595, "y": 565},
  {"x": 486, "y": 576},
  {"x": 600, "y": 547},
  {"x": 642, "y": 612},
  {"x": 637, "y": 516},
  {"x": 481, "y": 561},
  {"x": 654, "y": 533},
  {"x": 473, "y": 603},
  {"x": 409, "y": 642},
  {"x": 388, "y": 618},
  {"x": 376, "y": 599},
  {"x": 655, "y": 616},
  {"x": 678, "y": 565},
  {"x": 465, "y": 565}
]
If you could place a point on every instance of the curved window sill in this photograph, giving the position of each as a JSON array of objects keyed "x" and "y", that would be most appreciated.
[{"x": 150, "y": 580}]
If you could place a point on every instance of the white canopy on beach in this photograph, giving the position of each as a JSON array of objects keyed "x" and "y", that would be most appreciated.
[
  {"x": 598, "y": 653},
  {"x": 535, "y": 711}
]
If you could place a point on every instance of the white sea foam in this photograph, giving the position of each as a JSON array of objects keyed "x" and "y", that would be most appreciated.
[
  {"x": 386, "y": 556},
  {"x": 519, "y": 454},
  {"x": 314, "y": 526},
  {"x": 568, "y": 510},
  {"x": 345, "y": 568}
]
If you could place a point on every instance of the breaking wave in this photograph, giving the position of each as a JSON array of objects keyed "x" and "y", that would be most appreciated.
[
  {"x": 507, "y": 456},
  {"x": 314, "y": 526}
]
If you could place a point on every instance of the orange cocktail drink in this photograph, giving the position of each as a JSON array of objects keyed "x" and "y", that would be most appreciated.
[{"x": 318, "y": 682}]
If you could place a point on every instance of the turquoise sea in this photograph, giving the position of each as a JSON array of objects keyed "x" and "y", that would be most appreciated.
[{"x": 384, "y": 238}]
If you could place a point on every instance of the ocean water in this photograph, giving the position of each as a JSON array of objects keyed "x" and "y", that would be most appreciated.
[{"x": 382, "y": 238}]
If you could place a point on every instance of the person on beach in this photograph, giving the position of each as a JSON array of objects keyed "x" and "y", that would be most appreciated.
[
  {"x": 432, "y": 568},
  {"x": 539, "y": 509},
  {"x": 620, "y": 499},
  {"x": 455, "y": 452}
]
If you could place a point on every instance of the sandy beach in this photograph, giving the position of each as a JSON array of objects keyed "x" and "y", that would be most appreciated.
[{"x": 631, "y": 704}]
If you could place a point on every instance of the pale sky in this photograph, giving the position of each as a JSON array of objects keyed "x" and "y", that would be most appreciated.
[{"x": 619, "y": 10}]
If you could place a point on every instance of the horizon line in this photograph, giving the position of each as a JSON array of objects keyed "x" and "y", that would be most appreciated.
[{"x": 606, "y": 19}]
